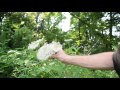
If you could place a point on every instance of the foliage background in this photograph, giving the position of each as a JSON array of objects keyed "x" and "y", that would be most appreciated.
[{"x": 89, "y": 33}]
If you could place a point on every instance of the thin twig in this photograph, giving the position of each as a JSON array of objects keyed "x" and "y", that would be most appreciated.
[{"x": 92, "y": 48}]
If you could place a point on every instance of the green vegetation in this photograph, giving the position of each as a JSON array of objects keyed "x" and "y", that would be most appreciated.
[{"x": 89, "y": 34}]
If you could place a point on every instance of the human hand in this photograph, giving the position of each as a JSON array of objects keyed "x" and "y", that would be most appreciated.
[{"x": 60, "y": 55}]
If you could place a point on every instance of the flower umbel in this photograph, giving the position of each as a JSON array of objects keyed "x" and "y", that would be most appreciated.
[
  {"x": 47, "y": 50},
  {"x": 35, "y": 44}
]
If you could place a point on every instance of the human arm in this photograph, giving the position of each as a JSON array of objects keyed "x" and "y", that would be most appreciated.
[{"x": 95, "y": 61}]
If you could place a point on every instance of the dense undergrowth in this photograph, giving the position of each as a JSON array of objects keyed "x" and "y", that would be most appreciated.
[
  {"x": 22, "y": 63},
  {"x": 89, "y": 34}
]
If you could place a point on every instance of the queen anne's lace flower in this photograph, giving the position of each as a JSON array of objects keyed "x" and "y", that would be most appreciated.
[
  {"x": 48, "y": 50},
  {"x": 35, "y": 44}
]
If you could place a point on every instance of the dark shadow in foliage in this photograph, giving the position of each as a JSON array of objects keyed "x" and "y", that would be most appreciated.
[{"x": 6, "y": 70}]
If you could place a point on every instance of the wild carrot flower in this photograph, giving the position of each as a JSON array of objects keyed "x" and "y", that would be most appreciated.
[
  {"x": 47, "y": 50},
  {"x": 35, "y": 44}
]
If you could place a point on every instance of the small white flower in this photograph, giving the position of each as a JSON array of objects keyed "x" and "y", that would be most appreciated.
[
  {"x": 11, "y": 51},
  {"x": 68, "y": 40},
  {"x": 22, "y": 22},
  {"x": 14, "y": 51},
  {"x": 34, "y": 64},
  {"x": 26, "y": 62},
  {"x": 118, "y": 43},
  {"x": 44, "y": 64}
]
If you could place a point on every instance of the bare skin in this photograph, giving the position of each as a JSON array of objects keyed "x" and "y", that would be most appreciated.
[{"x": 96, "y": 61}]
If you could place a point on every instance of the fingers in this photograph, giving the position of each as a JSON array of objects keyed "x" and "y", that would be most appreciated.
[
  {"x": 54, "y": 55},
  {"x": 58, "y": 54}
]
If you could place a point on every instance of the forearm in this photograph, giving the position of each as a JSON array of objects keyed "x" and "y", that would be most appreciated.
[{"x": 96, "y": 61}]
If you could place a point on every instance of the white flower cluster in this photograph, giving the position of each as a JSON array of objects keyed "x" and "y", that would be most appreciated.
[
  {"x": 35, "y": 44},
  {"x": 48, "y": 50}
]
